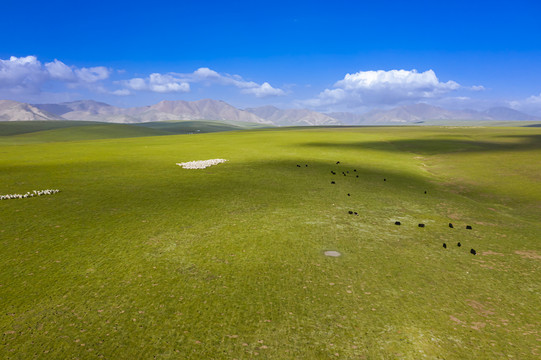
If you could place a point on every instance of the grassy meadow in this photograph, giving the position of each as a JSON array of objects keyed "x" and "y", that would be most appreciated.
[{"x": 139, "y": 258}]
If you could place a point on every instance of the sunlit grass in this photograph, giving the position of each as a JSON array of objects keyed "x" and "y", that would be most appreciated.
[{"x": 139, "y": 258}]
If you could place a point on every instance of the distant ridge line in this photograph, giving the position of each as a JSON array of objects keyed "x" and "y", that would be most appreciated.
[{"x": 209, "y": 109}]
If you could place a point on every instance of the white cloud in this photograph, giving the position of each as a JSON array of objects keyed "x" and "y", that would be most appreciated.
[
  {"x": 249, "y": 87},
  {"x": 93, "y": 74},
  {"x": 121, "y": 92},
  {"x": 369, "y": 88},
  {"x": 60, "y": 71},
  {"x": 158, "y": 83},
  {"x": 263, "y": 90},
  {"x": 180, "y": 82},
  {"x": 478, "y": 88},
  {"x": 530, "y": 105},
  {"x": 24, "y": 74},
  {"x": 27, "y": 74}
]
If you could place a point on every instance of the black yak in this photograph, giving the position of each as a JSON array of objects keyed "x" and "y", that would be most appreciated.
[
  {"x": 421, "y": 225},
  {"x": 397, "y": 222},
  {"x": 473, "y": 252}
]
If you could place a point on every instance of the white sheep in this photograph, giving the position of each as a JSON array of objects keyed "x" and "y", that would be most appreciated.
[
  {"x": 201, "y": 164},
  {"x": 29, "y": 194}
]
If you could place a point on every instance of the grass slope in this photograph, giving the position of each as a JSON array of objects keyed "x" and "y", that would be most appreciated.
[
  {"x": 8, "y": 128},
  {"x": 138, "y": 258},
  {"x": 199, "y": 126},
  {"x": 81, "y": 133},
  {"x": 513, "y": 123}
]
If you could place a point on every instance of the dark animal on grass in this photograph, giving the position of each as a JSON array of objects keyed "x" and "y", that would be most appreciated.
[
  {"x": 356, "y": 213},
  {"x": 357, "y": 176},
  {"x": 338, "y": 162},
  {"x": 384, "y": 179},
  {"x": 450, "y": 225},
  {"x": 349, "y": 194},
  {"x": 473, "y": 252},
  {"x": 298, "y": 166},
  {"x": 444, "y": 245},
  {"x": 332, "y": 172},
  {"x": 468, "y": 227},
  {"x": 459, "y": 244},
  {"x": 350, "y": 212},
  {"x": 332, "y": 182},
  {"x": 425, "y": 191},
  {"x": 421, "y": 225},
  {"x": 355, "y": 170},
  {"x": 397, "y": 222},
  {"x": 306, "y": 165}
]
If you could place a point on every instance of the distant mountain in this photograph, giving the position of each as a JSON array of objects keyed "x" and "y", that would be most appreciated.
[
  {"x": 299, "y": 117},
  {"x": 163, "y": 111},
  {"x": 208, "y": 109},
  {"x": 17, "y": 111},
  {"x": 503, "y": 113},
  {"x": 204, "y": 109},
  {"x": 347, "y": 118},
  {"x": 417, "y": 113},
  {"x": 89, "y": 110}
]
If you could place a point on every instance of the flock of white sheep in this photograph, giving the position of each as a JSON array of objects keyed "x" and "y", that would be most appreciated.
[
  {"x": 198, "y": 164},
  {"x": 201, "y": 164},
  {"x": 28, "y": 194}
]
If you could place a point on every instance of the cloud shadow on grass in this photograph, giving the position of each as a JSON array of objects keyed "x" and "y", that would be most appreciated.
[{"x": 438, "y": 146}]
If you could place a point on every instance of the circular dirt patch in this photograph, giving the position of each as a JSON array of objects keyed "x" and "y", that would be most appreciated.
[{"x": 332, "y": 253}]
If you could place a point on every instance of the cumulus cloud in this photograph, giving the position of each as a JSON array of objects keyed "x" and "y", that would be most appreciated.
[
  {"x": 530, "y": 105},
  {"x": 27, "y": 74},
  {"x": 369, "y": 88},
  {"x": 478, "y": 88},
  {"x": 93, "y": 74},
  {"x": 24, "y": 74},
  {"x": 247, "y": 87},
  {"x": 263, "y": 90},
  {"x": 158, "y": 83},
  {"x": 180, "y": 82}
]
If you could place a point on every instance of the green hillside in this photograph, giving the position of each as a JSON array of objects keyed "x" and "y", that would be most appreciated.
[
  {"x": 82, "y": 132},
  {"x": 136, "y": 257},
  {"x": 8, "y": 128},
  {"x": 199, "y": 126},
  {"x": 16, "y": 132}
]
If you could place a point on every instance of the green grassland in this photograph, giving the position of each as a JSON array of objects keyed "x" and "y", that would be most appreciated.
[
  {"x": 139, "y": 258},
  {"x": 25, "y": 132}
]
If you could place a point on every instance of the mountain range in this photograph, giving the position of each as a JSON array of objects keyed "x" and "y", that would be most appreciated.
[{"x": 208, "y": 109}]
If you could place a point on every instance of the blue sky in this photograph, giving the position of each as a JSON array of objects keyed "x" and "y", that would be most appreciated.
[{"x": 325, "y": 55}]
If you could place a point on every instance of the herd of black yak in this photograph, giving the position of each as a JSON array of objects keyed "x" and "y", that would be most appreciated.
[{"x": 350, "y": 212}]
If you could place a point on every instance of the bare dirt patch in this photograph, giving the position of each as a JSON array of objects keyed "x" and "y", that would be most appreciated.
[
  {"x": 332, "y": 253},
  {"x": 489, "y": 252},
  {"x": 528, "y": 254},
  {"x": 480, "y": 308},
  {"x": 478, "y": 325}
]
